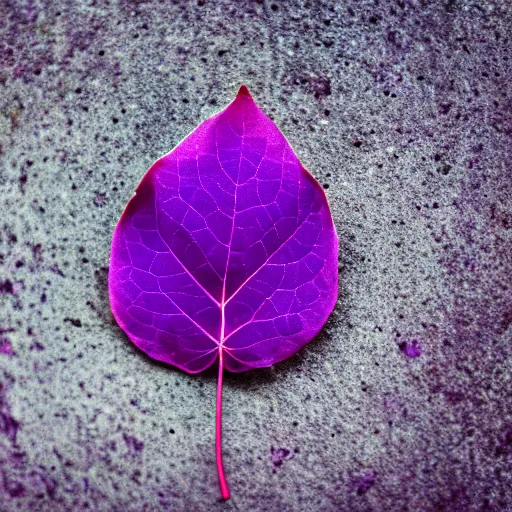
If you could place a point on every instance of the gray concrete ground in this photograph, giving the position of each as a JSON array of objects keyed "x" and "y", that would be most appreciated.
[{"x": 403, "y": 111}]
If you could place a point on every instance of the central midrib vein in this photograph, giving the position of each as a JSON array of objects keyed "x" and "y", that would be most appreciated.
[{"x": 223, "y": 301}]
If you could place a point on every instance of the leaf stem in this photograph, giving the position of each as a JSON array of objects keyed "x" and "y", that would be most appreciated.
[{"x": 218, "y": 434}]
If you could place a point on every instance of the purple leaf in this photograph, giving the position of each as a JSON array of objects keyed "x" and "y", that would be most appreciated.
[{"x": 227, "y": 251}]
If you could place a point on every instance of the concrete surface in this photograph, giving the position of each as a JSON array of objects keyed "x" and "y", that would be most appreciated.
[{"x": 403, "y": 110}]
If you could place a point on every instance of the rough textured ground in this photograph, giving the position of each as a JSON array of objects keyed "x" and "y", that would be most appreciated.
[{"x": 403, "y": 110}]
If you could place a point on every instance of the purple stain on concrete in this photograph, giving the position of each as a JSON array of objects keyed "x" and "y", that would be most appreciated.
[
  {"x": 99, "y": 200},
  {"x": 504, "y": 444},
  {"x": 12, "y": 487},
  {"x": 6, "y": 347},
  {"x": 365, "y": 482},
  {"x": 279, "y": 455},
  {"x": 50, "y": 485},
  {"x": 8, "y": 425},
  {"x": 134, "y": 445},
  {"x": 7, "y": 287},
  {"x": 36, "y": 346},
  {"x": 411, "y": 348}
]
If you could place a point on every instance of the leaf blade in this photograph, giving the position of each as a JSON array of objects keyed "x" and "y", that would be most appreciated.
[{"x": 238, "y": 238}]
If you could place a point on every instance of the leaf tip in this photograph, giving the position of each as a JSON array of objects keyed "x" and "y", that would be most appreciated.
[{"x": 243, "y": 91}]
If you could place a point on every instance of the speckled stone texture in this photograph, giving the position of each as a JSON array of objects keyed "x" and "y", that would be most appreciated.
[{"x": 403, "y": 111}]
